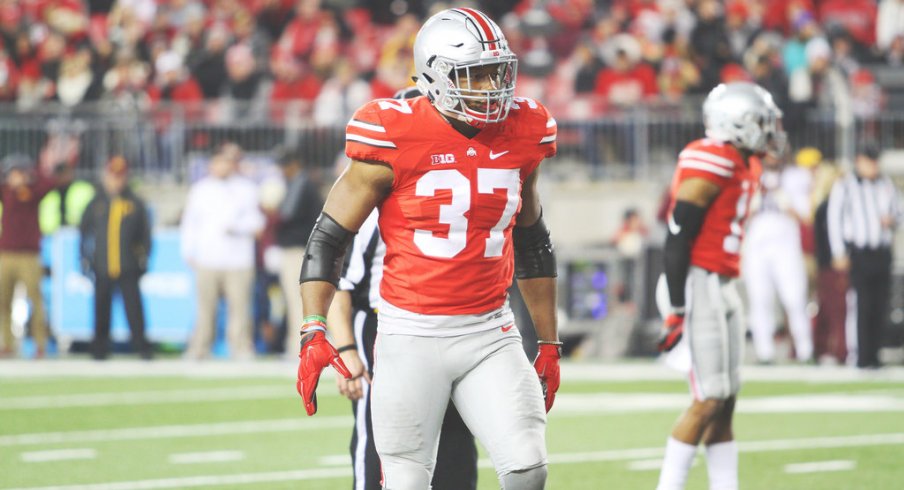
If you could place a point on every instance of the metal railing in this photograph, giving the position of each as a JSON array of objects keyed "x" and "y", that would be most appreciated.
[{"x": 161, "y": 143}]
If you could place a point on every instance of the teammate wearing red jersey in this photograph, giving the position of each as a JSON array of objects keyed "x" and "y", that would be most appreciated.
[
  {"x": 454, "y": 175},
  {"x": 711, "y": 195}
]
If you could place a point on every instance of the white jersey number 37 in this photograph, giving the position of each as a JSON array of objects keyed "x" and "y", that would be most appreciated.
[{"x": 453, "y": 214}]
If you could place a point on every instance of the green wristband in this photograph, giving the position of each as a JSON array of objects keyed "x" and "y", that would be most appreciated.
[{"x": 314, "y": 318}]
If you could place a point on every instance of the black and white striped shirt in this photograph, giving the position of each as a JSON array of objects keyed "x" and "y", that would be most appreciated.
[
  {"x": 856, "y": 210},
  {"x": 363, "y": 268}
]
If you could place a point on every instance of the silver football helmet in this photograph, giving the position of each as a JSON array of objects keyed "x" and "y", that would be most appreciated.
[
  {"x": 450, "y": 47},
  {"x": 744, "y": 114}
]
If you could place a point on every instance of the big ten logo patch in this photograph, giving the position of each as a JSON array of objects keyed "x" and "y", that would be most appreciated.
[{"x": 442, "y": 159}]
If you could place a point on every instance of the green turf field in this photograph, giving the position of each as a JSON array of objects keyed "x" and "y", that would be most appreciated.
[{"x": 71, "y": 425}]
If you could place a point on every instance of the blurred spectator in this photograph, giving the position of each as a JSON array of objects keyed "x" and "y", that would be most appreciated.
[
  {"x": 794, "y": 52},
  {"x": 820, "y": 85},
  {"x": 293, "y": 83},
  {"x": 311, "y": 30},
  {"x": 115, "y": 247},
  {"x": 297, "y": 214},
  {"x": 9, "y": 77},
  {"x": 20, "y": 246},
  {"x": 208, "y": 64},
  {"x": 779, "y": 15},
  {"x": 246, "y": 92},
  {"x": 829, "y": 337},
  {"x": 626, "y": 80},
  {"x": 219, "y": 226},
  {"x": 66, "y": 204},
  {"x": 629, "y": 240},
  {"x": 76, "y": 82},
  {"x": 771, "y": 77},
  {"x": 889, "y": 23},
  {"x": 126, "y": 81},
  {"x": 340, "y": 96},
  {"x": 858, "y": 17},
  {"x": 740, "y": 28},
  {"x": 173, "y": 83},
  {"x": 710, "y": 46},
  {"x": 864, "y": 211},
  {"x": 773, "y": 260}
]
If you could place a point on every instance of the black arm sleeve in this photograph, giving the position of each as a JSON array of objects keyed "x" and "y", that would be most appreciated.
[
  {"x": 683, "y": 227},
  {"x": 325, "y": 253},
  {"x": 534, "y": 253}
]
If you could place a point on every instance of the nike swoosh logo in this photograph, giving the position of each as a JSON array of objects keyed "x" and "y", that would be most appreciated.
[
  {"x": 506, "y": 329},
  {"x": 494, "y": 156},
  {"x": 674, "y": 228}
]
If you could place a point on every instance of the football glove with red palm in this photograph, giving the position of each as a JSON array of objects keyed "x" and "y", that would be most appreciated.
[
  {"x": 672, "y": 330},
  {"x": 547, "y": 366},
  {"x": 315, "y": 355}
]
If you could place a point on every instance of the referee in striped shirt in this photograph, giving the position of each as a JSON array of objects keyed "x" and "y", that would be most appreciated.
[
  {"x": 352, "y": 321},
  {"x": 863, "y": 212}
]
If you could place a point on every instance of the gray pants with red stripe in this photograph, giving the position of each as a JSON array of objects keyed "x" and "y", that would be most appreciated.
[
  {"x": 488, "y": 378},
  {"x": 714, "y": 326},
  {"x": 456, "y": 459}
]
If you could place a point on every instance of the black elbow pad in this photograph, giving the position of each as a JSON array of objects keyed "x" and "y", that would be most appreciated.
[
  {"x": 534, "y": 253},
  {"x": 325, "y": 253}
]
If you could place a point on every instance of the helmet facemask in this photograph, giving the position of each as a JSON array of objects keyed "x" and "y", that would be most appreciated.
[{"x": 479, "y": 92}]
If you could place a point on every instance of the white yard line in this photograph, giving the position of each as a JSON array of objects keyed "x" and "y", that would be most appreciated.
[
  {"x": 24, "y": 370},
  {"x": 645, "y": 464},
  {"x": 178, "y": 431},
  {"x": 207, "y": 481},
  {"x": 563, "y": 458},
  {"x": 206, "y": 457},
  {"x": 821, "y": 466},
  {"x": 58, "y": 455},
  {"x": 147, "y": 397},
  {"x": 601, "y": 403}
]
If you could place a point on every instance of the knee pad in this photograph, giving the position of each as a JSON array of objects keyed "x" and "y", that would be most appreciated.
[
  {"x": 530, "y": 479},
  {"x": 408, "y": 477}
]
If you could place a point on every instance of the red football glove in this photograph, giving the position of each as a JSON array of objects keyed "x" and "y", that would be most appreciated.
[
  {"x": 671, "y": 333},
  {"x": 316, "y": 354},
  {"x": 547, "y": 366}
]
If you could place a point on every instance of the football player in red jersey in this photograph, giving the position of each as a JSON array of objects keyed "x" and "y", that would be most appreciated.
[
  {"x": 711, "y": 191},
  {"x": 454, "y": 175}
]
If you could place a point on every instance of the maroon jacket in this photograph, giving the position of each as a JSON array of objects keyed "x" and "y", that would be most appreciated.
[{"x": 21, "y": 231}]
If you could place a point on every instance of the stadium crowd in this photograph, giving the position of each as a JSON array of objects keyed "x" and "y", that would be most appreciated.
[{"x": 582, "y": 57}]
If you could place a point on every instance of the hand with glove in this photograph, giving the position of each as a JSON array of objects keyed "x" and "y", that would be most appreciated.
[
  {"x": 315, "y": 355},
  {"x": 547, "y": 366},
  {"x": 672, "y": 330}
]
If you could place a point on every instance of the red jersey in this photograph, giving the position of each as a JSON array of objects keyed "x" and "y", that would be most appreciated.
[
  {"x": 718, "y": 246},
  {"x": 448, "y": 219}
]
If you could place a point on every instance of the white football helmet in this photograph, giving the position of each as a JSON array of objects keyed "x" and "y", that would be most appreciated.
[
  {"x": 744, "y": 114},
  {"x": 447, "y": 48}
]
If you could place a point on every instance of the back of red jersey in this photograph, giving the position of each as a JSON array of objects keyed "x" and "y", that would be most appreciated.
[
  {"x": 718, "y": 246},
  {"x": 447, "y": 221}
]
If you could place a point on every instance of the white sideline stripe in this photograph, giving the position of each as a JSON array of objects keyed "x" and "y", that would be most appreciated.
[
  {"x": 821, "y": 466},
  {"x": 206, "y": 457},
  {"x": 148, "y": 397},
  {"x": 58, "y": 455},
  {"x": 177, "y": 431},
  {"x": 565, "y": 458}
]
